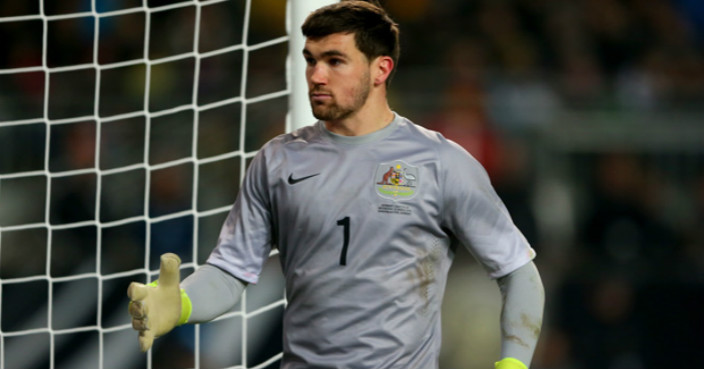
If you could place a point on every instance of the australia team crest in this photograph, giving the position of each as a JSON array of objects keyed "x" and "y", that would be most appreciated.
[{"x": 396, "y": 180}]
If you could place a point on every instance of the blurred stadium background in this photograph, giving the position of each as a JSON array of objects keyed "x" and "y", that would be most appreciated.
[{"x": 587, "y": 114}]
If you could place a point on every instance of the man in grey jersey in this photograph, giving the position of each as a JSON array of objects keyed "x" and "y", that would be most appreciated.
[{"x": 366, "y": 209}]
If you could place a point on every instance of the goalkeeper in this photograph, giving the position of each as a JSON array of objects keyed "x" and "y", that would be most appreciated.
[{"x": 366, "y": 209}]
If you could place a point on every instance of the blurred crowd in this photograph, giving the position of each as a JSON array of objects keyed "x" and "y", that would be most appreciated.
[{"x": 618, "y": 229}]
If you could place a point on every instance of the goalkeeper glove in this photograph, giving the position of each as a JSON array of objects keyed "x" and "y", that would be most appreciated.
[
  {"x": 160, "y": 306},
  {"x": 509, "y": 363}
]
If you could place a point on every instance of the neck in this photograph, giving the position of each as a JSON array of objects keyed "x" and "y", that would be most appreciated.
[{"x": 367, "y": 120}]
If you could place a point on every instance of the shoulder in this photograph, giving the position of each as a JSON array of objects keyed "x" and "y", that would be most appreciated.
[
  {"x": 456, "y": 165},
  {"x": 446, "y": 149},
  {"x": 283, "y": 149},
  {"x": 413, "y": 130},
  {"x": 302, "y": 136}
]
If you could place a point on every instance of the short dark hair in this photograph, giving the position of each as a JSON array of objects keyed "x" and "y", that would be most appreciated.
[{"x": 375, "y": 33}]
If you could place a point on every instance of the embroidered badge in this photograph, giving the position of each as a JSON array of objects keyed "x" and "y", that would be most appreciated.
[{"x": 396, "y": 180}]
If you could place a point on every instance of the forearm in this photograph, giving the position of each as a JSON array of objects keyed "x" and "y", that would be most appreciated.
[
  {"x": 212, "y": 292},
  {"x": 523, "y": 299}
]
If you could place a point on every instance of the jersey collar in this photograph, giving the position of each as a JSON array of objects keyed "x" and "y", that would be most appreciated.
[{"x": 359, "y": 140}]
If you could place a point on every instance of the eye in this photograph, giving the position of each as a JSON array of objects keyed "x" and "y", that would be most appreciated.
[
  {"x": 310, "y": 61},
  {"x": 335, "y": 61}
]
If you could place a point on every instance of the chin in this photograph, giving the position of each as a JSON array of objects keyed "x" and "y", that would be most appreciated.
[{"x": 323, "y": 114}]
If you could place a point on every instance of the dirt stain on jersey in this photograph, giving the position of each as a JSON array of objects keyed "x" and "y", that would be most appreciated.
[
  {"x": 423, "y": 275},
  {"x": 525, "y": 324},
  {"x": 533, "y": 327}
]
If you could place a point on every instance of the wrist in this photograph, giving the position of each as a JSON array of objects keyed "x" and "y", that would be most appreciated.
[{"x": 509, "y": 363}]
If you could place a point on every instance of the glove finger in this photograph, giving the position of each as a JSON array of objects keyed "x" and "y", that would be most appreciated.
[
  {"x": 146, "y": 339},
  {"x": 137, "y": 291},
  {"x": 140, "y": 324},
  {"x": 169, "y": 274},
  {"x": 137, "y": 309}
]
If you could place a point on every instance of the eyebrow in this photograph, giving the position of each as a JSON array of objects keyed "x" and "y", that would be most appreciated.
[{"x": 325, "y": 54}]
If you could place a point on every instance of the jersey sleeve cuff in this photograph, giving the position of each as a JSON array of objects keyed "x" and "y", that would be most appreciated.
[{"x": 510, "y": 267}]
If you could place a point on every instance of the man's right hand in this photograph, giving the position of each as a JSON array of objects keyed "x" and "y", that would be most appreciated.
[{"x": 156, "y": 308}]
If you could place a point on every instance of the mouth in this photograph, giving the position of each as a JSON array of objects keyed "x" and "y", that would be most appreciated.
[{"x": 320, "y": 96}]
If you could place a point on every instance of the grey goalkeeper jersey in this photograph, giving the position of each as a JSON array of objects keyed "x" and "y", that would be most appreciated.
[{"x": 366, "y": 228}]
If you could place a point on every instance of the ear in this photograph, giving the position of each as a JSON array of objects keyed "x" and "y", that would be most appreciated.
[{"x": 383, "y": 66}]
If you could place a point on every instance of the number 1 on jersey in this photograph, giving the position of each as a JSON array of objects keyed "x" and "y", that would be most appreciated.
[{"x": 345, "y": 223}]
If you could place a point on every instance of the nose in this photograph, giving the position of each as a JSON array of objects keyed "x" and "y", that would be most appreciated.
[{"x": 317, "y": 74}]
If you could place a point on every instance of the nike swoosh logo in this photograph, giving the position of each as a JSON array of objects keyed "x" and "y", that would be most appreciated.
[{"x": 292, "y": 180}]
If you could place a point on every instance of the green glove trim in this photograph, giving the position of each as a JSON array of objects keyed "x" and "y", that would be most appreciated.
[
  {"x": 186, "y": 305},
  {"x": 186, "y": 308},
  {"x": 509, "y": 363}
]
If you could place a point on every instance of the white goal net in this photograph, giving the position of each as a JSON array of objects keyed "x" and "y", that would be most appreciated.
[{"x": 125, "y": 129}]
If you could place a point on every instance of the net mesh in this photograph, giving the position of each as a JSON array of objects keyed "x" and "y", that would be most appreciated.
[{"x": 125, "y": 130}]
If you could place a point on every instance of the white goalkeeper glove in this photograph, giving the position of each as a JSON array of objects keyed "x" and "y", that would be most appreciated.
[{"x": 160, "y": 306}]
